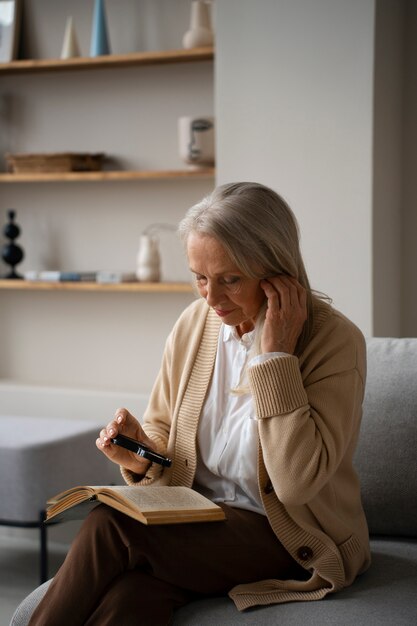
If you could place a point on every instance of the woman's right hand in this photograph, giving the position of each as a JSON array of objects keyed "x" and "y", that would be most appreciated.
[{"x": 124, "y": 423}]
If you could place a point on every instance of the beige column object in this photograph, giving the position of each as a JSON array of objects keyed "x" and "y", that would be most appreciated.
[{"x": 70, "y": 47}]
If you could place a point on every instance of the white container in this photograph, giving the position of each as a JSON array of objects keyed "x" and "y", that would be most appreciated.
[
  {"x": 200, "y": 32},
  {"x": 196, "y": 140},
  {"x": 148, "y": 267}
]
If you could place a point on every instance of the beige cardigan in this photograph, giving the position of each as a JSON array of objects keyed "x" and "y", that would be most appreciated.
[{"x": 309, "y": 411}]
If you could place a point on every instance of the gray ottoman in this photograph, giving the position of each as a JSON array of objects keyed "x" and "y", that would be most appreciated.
[{"x": 40, "y": 457}]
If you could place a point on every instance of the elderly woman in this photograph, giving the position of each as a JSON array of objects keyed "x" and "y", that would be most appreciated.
[{"x": 258, "y": 403}]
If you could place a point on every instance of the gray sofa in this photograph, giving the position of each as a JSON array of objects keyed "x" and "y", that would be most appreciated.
[{"x": 387, "y": 463}]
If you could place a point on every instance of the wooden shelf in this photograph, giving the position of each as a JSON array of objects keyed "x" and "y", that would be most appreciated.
[
  {"x": 29, "y": 285},
  {"x": 135, "y": 59},
  {"x": 108, "y": 61},
  {"x": 50, "y": 177}
]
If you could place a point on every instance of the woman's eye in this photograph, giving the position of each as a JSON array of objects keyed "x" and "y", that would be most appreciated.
[
  {"x": 232, "y": 280},
  {"x": 201, "y": 279}
]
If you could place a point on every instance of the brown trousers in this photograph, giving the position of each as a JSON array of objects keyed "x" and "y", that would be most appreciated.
[{"x": 121, "y": 572}]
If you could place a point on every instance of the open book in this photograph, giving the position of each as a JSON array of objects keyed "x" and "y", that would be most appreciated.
[{"x": 149, "y": 505}]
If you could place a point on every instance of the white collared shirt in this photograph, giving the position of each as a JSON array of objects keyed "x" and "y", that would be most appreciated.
[{"x": 227, "y": 434}]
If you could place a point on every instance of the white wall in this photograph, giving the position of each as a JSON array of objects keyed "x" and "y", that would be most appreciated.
[{"x": 294, "y": 98}]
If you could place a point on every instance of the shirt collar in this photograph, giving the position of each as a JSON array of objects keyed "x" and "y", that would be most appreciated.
[{"x": 230, "y": 333}]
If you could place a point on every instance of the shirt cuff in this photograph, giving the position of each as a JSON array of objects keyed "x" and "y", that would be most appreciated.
[{"x": 265, "y": 356}]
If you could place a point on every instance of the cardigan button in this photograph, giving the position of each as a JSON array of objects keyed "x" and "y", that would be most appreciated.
[
  {"x": 268, "y": 487},
  {"x": 304, "y": 553}
]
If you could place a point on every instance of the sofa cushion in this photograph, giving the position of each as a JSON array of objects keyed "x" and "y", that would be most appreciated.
[
  {"x": 383, "y": 596},
  {"x": 386, "y": 456}
]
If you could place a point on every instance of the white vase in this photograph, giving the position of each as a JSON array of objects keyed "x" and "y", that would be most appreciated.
[
  {"x": 196, "y": 140},
  {"x": 200, "y": 32},
  {"x": 70, "y": 47},
  {"x": 148, "y": 267}
]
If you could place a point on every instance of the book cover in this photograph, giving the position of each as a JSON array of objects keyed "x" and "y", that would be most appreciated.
[
  {"x": 57, "y": 276},
  {"x": 78, "y": 276}
]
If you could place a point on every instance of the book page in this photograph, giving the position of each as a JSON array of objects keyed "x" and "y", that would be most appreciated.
[
  {"x": 74, "y": 495},
  {"x": 148, "y": 505},
  {"x": 154, "y": 498}
]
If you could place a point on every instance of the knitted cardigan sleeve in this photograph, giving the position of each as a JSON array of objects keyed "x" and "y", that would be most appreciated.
[{"x": 309, "y": 410}]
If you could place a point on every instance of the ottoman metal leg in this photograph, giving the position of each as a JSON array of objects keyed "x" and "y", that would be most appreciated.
[{"x": 43, "y": 548}]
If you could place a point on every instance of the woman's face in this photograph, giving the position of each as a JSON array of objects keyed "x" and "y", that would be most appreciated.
[{"x": 234, "y": 297}]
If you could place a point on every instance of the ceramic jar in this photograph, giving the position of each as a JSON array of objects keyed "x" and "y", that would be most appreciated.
[{"x": 196, "y": 140}]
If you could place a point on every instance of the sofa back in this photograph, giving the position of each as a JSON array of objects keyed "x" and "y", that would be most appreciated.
[{"x": 386, "y": 457}]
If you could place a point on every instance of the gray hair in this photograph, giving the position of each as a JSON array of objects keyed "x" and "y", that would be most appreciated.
[{"x": 259, "y": 232}]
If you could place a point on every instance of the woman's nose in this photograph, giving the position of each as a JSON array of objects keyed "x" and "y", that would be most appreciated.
[{"x": 213, "y": 293}]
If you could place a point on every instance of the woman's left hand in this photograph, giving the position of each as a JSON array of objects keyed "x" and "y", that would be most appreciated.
[{"x": 286, "y": 313}]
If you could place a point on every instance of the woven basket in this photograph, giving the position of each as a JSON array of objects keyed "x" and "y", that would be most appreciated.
[{"x": 56, "y": 162}]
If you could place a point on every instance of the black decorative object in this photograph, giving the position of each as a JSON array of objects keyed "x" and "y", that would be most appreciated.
[{"x": 11, "y": 253}]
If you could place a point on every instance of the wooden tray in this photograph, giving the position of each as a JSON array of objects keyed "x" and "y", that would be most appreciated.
[{"x": 54, "y": 162}]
